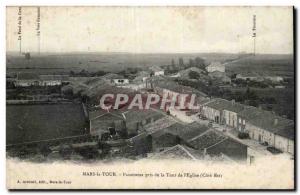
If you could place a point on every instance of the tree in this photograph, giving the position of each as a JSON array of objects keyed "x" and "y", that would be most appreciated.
[
  {"x": 250, "y": 95},
  {"x": 168, "y": 68},
  {"x": 27, "y": 56},
  {"x": 72, "y": 73},
  {"x": 194, "y": 75},
  {"x": 233, "y": 76},
  {"x": 191, "y": 63},
  {"x": 181, "y": 64},
  {"x": 200, "y": 63},
  {"x": 173, "y": 63}
]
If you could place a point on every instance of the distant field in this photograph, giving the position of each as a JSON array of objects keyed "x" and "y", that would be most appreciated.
[
  {"x": 50, "y": 63},
  {"x": 37, "y": 122},
  {"x": 113, "y": 62},
  {"x": 265, "y": 65}
]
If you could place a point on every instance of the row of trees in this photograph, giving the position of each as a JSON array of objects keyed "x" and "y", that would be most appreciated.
[
  {"x": 196, "y": 62},
  {"x": 85, "y": 73},
  {"x": 249, "y": 96}
]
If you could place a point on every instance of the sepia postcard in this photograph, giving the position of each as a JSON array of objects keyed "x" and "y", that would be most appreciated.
[{"x": 174, "y": 97}]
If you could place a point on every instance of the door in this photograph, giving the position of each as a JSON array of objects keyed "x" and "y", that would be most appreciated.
[
  {"x": 217, "y": 119},
  {"x": 259, "y": 138}
]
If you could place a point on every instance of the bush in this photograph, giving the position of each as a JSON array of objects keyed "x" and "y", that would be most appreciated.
[
  {"x": 194, "y": 75},
  {"x": 243, "y": 135}
]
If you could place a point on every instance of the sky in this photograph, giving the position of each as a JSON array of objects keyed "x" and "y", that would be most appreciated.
[{"x": 152, "y": 29}]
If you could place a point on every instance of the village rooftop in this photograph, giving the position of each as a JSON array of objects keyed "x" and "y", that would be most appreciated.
[{"x": 145, "y": 101}]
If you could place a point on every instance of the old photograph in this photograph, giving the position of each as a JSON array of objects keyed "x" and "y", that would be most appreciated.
[{"x": 188, "y": 97}]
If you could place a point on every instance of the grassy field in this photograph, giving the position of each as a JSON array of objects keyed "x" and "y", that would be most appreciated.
[
  {"x": 112, "y": 62},
  {"x": 264, "y": 65},
  {"x": 38, "y": 122}
]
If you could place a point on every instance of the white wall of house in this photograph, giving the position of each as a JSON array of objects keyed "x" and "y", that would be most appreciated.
[
  {"x": 277, "y": 141},
  {"x": 275, "y": 78},
  {"x": 27, "y": 83},
  {"x": 230, "y": 118},
  {"x": 134, "y": 86},
  {"x": 241, "y": 123},
  {"x": 157, "y": 73},
  {"x": 212, "y": 68},
  {"x": 253, "y": 78},
  {"x": 23, "y": 83},
  {"x": 211, "y": 113},
  {"x": 284, "y": 144},
  {"x": 51, "y": 83},
  {"x": 120, "y": 81},
  {"x": 144, "y": 79},
  {"x": 260, "y": 134}
]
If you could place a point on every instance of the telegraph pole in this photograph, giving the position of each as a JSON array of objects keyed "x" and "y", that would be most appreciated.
[
  {"x": 38, "y": 29},
  {"x": 20, "y": 29},
  {"x": 254, "y": 34},
  {"x": 239, "y": 45}
]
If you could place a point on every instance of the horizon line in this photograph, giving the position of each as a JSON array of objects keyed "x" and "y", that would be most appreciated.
[{"x": 120, "y": 52}]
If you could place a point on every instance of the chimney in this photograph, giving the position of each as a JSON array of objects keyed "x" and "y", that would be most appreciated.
[
  {"x": 275, "y": 121},
  {"x": 233, "y": 102}
]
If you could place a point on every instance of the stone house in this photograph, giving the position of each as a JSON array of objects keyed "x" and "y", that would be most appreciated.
[{"x": 266, "y": 127}]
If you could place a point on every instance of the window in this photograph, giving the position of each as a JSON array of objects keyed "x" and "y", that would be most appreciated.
[
  {"x": 244, "y": 122},
  {"x": 240, "y": 120}
]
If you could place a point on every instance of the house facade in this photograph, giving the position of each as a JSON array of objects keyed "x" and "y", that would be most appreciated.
[
  {"x": 105, "y": 123},
  {"x": 230, "y": 118},
  {"x": 157, "y": 71},
  {"x": 223, "y": 112},
  {"x": 259, "y": 134},
  {"x": 275, "y": 79},
  {"x": 284, "y": 144},
  {"x": 266, "y": 127},
  {"x": 31, "y": 79},
  {"x": 212, "y": 113},
  {"x": 215, "y": 66},
  {"x": 120, "y": 81}
]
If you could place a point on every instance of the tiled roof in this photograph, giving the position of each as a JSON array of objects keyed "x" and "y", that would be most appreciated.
[
  {"x": 175, "y": 87},
  {"x": 207, "y": 139},
  {"x": 28, "y": 76},
  {"x": 221, "y": 104},
  {"x": 229, "y": 147},
  {"x": 178, "y": 152},
  {"x": 288, "y": 131},
  {"x": 159, "y": 124},
  {"x": 112, "y": 76},
  {"x": 102, "y": 122},
  {"x": 99, "y": 112},
  {"x": 54, "y": 77},
  {"x": 139, "y": 115},
  {"x": 155, "y": 68},
  {"x": 269, "y": 121},
  {"x": 186, "y": 132}
]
